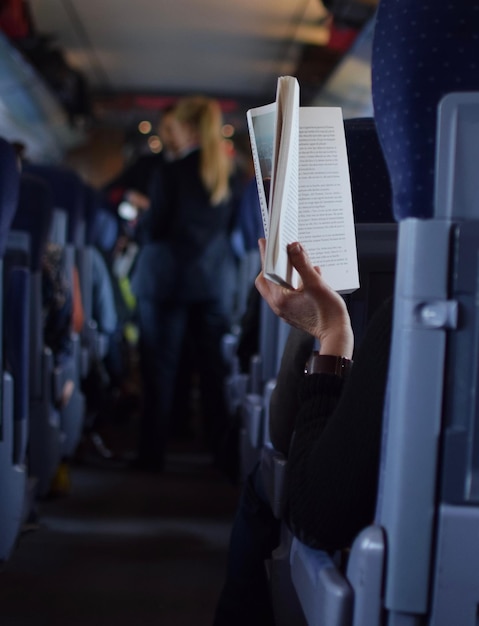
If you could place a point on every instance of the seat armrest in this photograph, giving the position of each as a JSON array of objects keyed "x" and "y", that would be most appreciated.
[
  {"x": 273, "y": 470},
  {"x": 325, "y": 595}
]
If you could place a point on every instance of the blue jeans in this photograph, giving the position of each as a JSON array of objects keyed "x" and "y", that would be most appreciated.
[
  {"x": 164, "y": 327},
  {"x": 245, "y": 598}
]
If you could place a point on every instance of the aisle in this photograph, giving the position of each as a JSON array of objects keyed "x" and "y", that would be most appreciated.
[{"x": 125, "y": 548}]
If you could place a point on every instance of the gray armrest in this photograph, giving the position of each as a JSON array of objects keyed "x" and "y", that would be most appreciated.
[
  {"x": 273, "y": 470},
  {"x": 325, "y": 595}
]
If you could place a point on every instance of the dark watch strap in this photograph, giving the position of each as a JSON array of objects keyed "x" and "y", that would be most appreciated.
[{"x": 328, "y": 364}]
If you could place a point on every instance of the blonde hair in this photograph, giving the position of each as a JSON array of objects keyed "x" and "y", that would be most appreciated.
[{"x": 205, "y": 118}]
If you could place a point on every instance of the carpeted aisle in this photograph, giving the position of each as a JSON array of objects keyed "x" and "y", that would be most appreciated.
[{"x": 125, "y": 548}]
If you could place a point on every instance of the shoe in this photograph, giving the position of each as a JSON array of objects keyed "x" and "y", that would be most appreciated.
[
  {"x": 100, "y": 447},
  {"x": 93, "y": 448},
  {"x": 60, "y": 485}
]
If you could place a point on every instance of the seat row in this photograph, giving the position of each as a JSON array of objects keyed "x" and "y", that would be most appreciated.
[{"x": 39, "y": 205}]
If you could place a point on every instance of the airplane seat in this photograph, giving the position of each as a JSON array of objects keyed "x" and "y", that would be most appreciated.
[
  {"x": 34, "y": 216},
  {"x": 16, "y": 320},
  {"x": 92, "y": 336},
  {"x": 244, "y": 390},
  {"x": 16, "y": 333},
  {"x": 264, "y": 366},
  {"x": 248, "y": 266},
  {"x": 369, "y": 176},
  {"x": 12, "y": 473},
  {"x": 408, "y": 568},
  {"x": 68, "y": 195},
  {"x": 376, "y": 229},
  {"x": 100, "y": 238},
  {"x": 72, "y": 416}
]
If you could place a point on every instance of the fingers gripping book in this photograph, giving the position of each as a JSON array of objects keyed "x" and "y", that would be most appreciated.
[{"x": 302, "y": 173}]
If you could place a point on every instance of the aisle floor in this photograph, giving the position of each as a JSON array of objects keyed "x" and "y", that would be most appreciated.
[{"x": 125, "y": 548}]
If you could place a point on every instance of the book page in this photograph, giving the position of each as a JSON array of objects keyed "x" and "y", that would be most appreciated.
[
  {"x": 283, "y": 206},
  {"x": 326, "y": 221},
  {"x": 261, "y": 127}
]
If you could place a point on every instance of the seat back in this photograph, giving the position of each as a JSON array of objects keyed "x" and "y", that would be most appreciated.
[
  {"x": 16, "y": 330},
  {"x": 454, "y": 570},
  {"x": 9, "y": 177},
  {"x": 442, "y": 57},
  {"x": 12, "y": 470},
  {"x": 68, "y": 192},
  {"x": 377, "y": 253},
  {"x": 34, "y": 217},
  {"x": 72, "y": 416},
  {"x": 101, "y": 237},
  {"x": 376, "y": 229}
]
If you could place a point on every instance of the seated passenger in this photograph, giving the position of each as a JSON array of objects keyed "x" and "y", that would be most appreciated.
[
  {"x": 57, "y": 299},
  {"x": 334, "y": 454},
  {"x": 337, "y": 428}
]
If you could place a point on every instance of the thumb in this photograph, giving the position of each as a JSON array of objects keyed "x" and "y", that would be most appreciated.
[{"x": 300, "y": 261}]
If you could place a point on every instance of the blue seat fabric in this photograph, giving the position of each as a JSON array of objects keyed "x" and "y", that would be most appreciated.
[
  {"x": 34, "y": 215},
  {"x": 413, "y": 67},
  {"x": 9, "y": 178}
]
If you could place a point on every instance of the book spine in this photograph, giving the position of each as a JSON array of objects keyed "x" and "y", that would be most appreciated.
[{"x": 258, "y": 175}]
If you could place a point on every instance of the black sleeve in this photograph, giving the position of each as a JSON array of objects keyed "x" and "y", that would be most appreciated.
[
  {"x": 334, "y": 455},
  {"x": 284, "y": 404},
  {"x": 153, "y": 224}
]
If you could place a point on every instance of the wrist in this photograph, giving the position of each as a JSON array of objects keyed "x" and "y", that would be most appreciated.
[
  {"x": 339, "y": 344},
  {"x": 328, "y": 364}
]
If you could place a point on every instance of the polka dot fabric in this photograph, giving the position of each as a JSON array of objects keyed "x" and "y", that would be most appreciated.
[
  {"x": 422, "y": 50},
  {"x": 370, "y": 185}
]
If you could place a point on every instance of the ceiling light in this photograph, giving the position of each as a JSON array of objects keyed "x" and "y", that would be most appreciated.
[{"x": 144, "y": 127}]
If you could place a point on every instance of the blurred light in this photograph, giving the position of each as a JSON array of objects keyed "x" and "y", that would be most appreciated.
[
  {"x": 228, "y": 130},
  {"x": 144, "y": 127},
  {"x": 229, "y": 147},
  {"x": 155, "y": 144},
  {"x": 127, "y": 211}
]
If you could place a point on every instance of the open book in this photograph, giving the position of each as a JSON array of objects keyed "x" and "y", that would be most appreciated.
[{"x": 302, "y": 173}]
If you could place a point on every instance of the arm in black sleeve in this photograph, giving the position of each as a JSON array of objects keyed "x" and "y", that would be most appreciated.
[
  {"x": 334, "y": 455},
  {"x": 284, "y": 404}
]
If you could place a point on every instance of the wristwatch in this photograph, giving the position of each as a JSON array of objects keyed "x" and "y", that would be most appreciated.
[{"x": 327, "y": 364}]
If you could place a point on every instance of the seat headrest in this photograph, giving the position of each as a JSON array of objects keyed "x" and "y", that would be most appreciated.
[
  {"x": 34, "y": 215},
  {"x": 101, "y": 224},
  {"x": 105, "y": 234},
  {"x": 421, "y": 51},
  {"x": 68, "y": 192},
  {"x": 370, "y": 184},
  {"x": 9, "y": 189}
]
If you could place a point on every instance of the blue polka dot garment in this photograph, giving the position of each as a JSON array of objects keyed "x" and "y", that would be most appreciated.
[{"x": 422, "y": 50}]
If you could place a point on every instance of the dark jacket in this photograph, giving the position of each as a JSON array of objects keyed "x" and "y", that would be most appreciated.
[
  {"x": 185, "y": 240},
  {"x": 334, "y": 455}
]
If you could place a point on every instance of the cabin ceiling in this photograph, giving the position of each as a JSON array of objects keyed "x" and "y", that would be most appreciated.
[
  {"x": 133, "y": 54},
  {"x": 159, "y": 45}
]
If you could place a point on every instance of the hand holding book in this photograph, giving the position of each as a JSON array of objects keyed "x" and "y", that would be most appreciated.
[
  {"x": 314, "y": 307},
  {"x": 301, "y": 153}
]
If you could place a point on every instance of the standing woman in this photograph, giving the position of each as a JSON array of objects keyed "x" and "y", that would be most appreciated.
[{"x": 180, "y": 275}]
